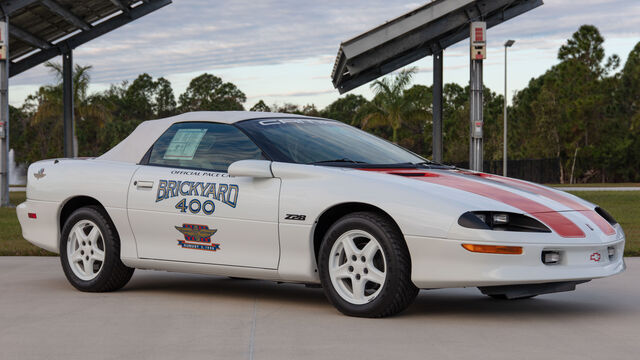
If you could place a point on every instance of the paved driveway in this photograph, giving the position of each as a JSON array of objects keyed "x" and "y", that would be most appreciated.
[{"x": 161, "y": 315}]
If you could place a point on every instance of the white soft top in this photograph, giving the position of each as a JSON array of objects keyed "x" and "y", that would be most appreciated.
[{"x": 134, "y": 146}]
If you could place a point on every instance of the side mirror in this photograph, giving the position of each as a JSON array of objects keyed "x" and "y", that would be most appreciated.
[{"x": 252, "y": 168}]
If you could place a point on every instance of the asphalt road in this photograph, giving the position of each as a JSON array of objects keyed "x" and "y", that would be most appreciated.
[{"x": 160, "y": 315}]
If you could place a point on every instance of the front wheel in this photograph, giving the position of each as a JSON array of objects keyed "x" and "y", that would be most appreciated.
[
  {"x": 90, "y": 252},
  {"x": 365, "y": 268}
]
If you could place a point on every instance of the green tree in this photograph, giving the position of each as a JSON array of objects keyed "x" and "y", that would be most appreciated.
[
  {"x": 389, "y": 108},
  {"x": 417, "y": 130},
  {"x": 288, "y": 108},
  {"x": 585, "y": 46},
  {"x": 565, "y": 112},
  {"x": 260, "y": 106},
  {"x": 347, "y": 109},
  {"x": 209, "y": 92},
  {"x": 165, "y": 101},
  {"x": 455, "y": 123},
  {"x": 139, "y": 98}
]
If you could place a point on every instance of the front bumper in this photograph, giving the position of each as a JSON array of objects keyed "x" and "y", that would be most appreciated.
[{"x": 444, "y": 263}]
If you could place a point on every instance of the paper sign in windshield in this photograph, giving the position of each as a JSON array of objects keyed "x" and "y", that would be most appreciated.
[{"x": 184, "y": 144}]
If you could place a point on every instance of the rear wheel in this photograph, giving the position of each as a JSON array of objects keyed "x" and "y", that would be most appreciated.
[
  {"x": 365, "y": 267},
  {"x": 90, "y": 252}
]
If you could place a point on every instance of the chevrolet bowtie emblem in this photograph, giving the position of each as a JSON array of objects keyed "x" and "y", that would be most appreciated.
[{"x": 40, "y": 174}]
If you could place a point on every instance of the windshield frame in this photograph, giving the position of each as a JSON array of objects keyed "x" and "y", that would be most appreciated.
[{"x": 276, "y": 155}]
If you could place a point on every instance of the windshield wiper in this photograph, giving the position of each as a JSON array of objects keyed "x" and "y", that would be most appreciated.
[
  {"x": 428, "y": 162},
  {"x": 432, "y": 164},
  {"x": 343, "y": 160}
]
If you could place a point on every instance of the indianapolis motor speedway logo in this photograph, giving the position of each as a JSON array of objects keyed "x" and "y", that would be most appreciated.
[{"x": 197, "y": 237}]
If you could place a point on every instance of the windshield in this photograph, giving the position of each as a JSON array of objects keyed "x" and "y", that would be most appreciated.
[{"x": 308, "y": 141}]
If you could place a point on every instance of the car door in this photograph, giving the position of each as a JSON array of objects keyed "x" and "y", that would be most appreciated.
[{"x": 183, "y": 206}]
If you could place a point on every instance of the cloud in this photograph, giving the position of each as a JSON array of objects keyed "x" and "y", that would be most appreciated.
[
  {"x": 295, "y": 94},
  {"x": 200, "y": 35}
]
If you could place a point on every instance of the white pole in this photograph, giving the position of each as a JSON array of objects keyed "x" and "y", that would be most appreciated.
[
  {"x": 504, "y": 139},
  {"x": 507, "y": 44}
]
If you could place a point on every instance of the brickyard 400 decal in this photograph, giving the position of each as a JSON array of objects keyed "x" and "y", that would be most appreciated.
[{"x": 225, "y": 193}]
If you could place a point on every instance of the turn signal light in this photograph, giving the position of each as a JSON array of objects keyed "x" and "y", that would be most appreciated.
[
  {"x": 32, "y": 216},
  {"x": 493, "y": 249}
]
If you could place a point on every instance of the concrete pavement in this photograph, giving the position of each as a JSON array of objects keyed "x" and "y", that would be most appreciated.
[{"x": 161, "y": 315}]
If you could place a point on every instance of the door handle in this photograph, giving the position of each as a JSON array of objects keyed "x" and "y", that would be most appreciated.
[{"x": 143, "y": 184}]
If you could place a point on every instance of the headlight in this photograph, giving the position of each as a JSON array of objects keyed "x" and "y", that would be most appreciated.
[{"x": 493, "y": 220}]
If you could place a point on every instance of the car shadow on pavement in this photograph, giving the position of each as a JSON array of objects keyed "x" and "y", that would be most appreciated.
[
  {"x": 446, "y": 302},
  {"x": 229, "y": 288},
  {"x": 430, "y": 303}
]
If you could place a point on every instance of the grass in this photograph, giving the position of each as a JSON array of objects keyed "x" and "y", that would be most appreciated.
[
  {"x": 597, "y": 185},
  {"x": 623, "y": 205}
]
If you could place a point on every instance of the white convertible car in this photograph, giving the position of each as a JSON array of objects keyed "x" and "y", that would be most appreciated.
[{"x": 306, "y": 200}]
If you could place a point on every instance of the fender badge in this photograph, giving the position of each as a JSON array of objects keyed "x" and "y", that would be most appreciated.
[{"x": 40, "y": 174}]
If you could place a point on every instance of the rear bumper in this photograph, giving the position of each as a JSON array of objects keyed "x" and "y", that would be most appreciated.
[
  {"x": 43, "y": 230},
  {"x": 442, "y": 263}
]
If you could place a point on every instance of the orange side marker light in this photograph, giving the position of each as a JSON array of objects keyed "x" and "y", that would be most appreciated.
[{"x": 493, "y": 249}]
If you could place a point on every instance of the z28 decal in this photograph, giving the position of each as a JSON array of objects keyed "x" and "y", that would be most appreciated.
[{"x": 295, "y": 217}]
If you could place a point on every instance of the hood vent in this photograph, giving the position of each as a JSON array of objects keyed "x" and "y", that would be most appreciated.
[
  {"x": 602, "y": 212},
  {"x": 413, "y": 174},
  {"x": 409, "y": 174}
]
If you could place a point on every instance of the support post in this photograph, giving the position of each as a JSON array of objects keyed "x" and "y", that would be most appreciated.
[
  {"x": 478, "y": 54},
  {"x": 504, "y": 117},
  {"x": 67, "y": 95},
  {"x": 437, "y": 106},
  {"x": 476, "y": 156},
  {"x": 4, "y": 112}
]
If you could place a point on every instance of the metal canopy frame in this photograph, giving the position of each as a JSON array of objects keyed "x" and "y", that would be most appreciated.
[
  {"x": 68, "y": 24},
  {"x": 419, "y": 33},
  {"x": 40, "y": 30},
  {"x": 425, "y": 31}
]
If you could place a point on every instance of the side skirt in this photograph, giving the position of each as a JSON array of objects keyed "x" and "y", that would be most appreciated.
[{"x": 203, "y": 269}]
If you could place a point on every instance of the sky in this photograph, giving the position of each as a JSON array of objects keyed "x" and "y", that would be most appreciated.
[{"x": 283, "y": 51}]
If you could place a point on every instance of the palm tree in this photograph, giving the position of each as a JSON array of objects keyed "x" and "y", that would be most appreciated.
[
  {"x": 91, "y": 116},
  {"x": 390, "y": 107},
  {"x": 81, "y": 79}
]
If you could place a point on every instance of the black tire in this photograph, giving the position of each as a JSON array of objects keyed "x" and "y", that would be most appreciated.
[
  {"x": 504, "y": 297},
  {"x": 114, "y": 274},
  {"x": 398, "y": 292}
]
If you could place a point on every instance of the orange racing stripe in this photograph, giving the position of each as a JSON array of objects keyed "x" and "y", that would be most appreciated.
[
  {"x": 554, "y": 219},
  {"x": 564, "y": 200}
]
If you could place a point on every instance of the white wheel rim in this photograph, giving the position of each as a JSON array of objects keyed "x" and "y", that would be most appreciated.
[
  {"x": 85, "y": 250},
  {"x": 361, "y": 280}
]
